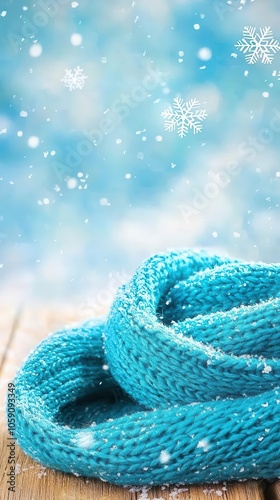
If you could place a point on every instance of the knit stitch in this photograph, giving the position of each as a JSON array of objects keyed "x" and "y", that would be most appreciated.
[{"x": 181, "y": 384}]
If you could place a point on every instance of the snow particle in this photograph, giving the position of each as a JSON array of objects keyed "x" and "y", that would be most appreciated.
[
  {"x": 128, "y": 176},
  {"x": 74, "y": 5},
  {"x": 236, "y": 235},
  {"x": 71, "y": 183},
  {"x": 42, "y": 472},
  {"x": 265, "y": 95},
  {"x": 204, "y": 53},
  {"x": 104, "y": 202},
  {"x": 85, "y": 439},
  {"x": 158, "y": 138},
  {"x": 196, "y": 26},
  {"x": 76, "y": 39},
  {"x": 35, "y": 50},
  {"x": 175, "y": 492},
  {"x": 267, "y": 369},
  {"x": 17, "y": 469},
  {"x": 23, "y": 113},
  {"x": 181, "y": 53},
  {"x": 104, "y": 60},
  {"x": 19, "y": 133},
  {"x": 33, "y": 141},
  {"x": 204, "y": 444},
  {"x": 164, "y": 457},
  {"x": 118, "y": 141},
  {"x": 3, "y": 13},
  {"x": 215, "y": 234}
]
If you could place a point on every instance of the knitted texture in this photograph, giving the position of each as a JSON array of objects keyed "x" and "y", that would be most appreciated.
[{"x": 181, "y": 384}]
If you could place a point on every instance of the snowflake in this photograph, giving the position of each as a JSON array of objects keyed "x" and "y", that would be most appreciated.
[
  {"x": 184, "y": 116},
  {"x": 74, "y": 79},
  {"x": 274, "y": 73},
  {"x": 258, "y": 45}
]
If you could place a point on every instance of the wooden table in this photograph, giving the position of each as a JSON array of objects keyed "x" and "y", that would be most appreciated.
[{"x": 20, "y": 331}]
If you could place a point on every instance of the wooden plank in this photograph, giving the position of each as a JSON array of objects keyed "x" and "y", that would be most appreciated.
[
  {"x": 272, "y": 491},
  {"x": 34, "y": 481},
  {"x": 8, "y": 322},
  {"x": 249, "y": 490}
]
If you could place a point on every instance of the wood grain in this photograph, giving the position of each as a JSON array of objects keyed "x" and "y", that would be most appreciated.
[
  {"x": 272, "y": 491},
  {"x": 34, "y": 482},
  {"x": 8, "y": 323}
]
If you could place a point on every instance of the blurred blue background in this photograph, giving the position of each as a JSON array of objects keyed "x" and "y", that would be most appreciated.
[{"x": 91, "y": 183}]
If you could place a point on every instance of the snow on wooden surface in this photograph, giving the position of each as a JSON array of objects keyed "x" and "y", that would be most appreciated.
[{"x": 20, "y": 331}]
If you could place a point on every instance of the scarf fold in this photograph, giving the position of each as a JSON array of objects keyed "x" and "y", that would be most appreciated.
[{"x": 180, "y": 384}]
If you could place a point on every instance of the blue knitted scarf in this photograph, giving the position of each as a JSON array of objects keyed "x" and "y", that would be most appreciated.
[{"x": 180, "y": 384}]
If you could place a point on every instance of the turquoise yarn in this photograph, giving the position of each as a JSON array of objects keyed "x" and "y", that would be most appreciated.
[{"x": 180, "y": 384}]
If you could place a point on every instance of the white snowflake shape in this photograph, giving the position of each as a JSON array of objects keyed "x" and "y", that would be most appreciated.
[
  {"x": 258, "y": 45},
  {"x": 184, "y": 117},
  {"x": 74, "y": 79}
]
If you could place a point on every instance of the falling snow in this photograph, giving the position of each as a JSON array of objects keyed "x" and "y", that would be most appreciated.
[
  {"x": 35, "y": 50},
  {"x": 184, "y": 116},
  {"x": 74, "y": 79},
  {"x": 33, "y": 141},
  {"x": 277, "y": 74},
  {"x": 72, "y": 183},
  {"x": 257, "y": 46},
  {"x": 76, "y": 39}
]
